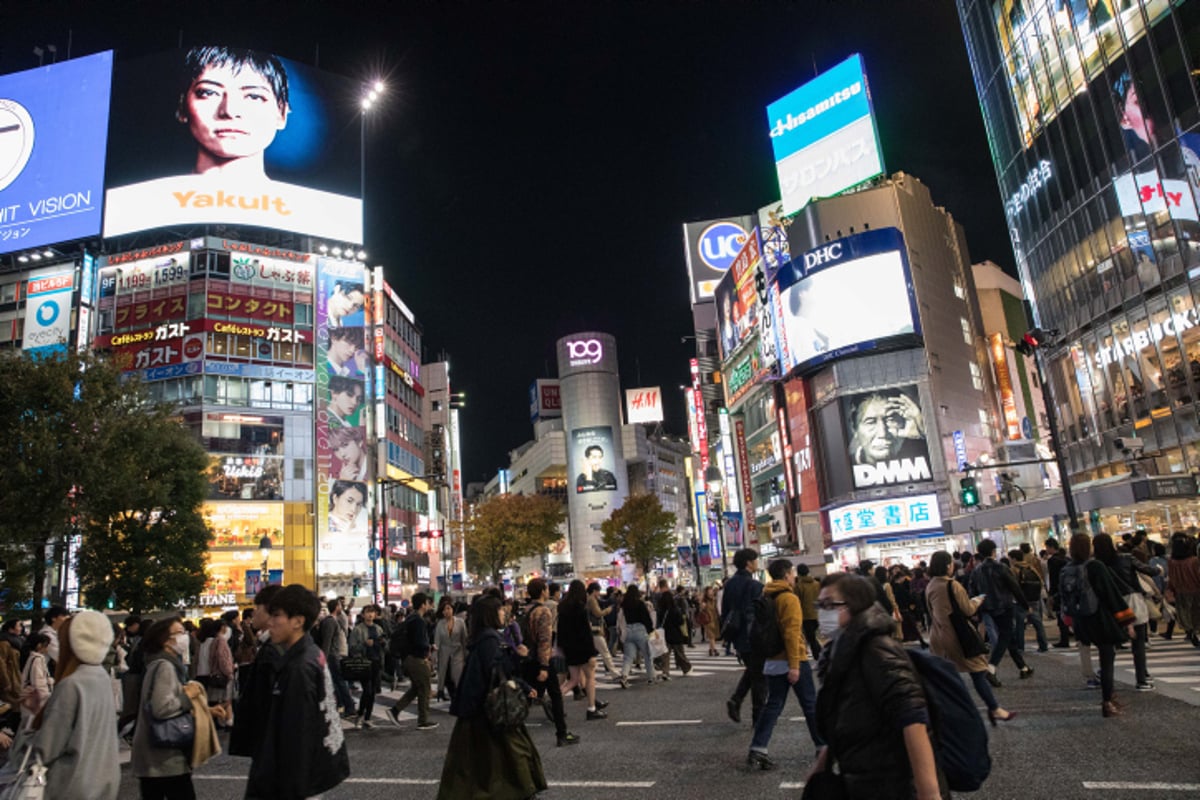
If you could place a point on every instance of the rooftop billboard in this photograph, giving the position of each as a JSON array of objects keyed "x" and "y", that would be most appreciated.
[
  {"x": 824, "y": 136},
  {"x": 220, "y": 135}
]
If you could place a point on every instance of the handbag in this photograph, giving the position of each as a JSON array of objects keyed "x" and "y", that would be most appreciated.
[
  {"x": 30, "y": 783},
  {"x": 825, "y": 785},
  {"x": 175, "y": 733},
  {"x": 356, "y": 667},
  {"x": 966, "y": 633},
  {"x": 658, "y": 643},
  {"x": 506, "y": 705},
  {"x": 1137, "y": 604}
]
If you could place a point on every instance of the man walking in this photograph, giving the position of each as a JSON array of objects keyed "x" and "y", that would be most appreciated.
[
  {"x": 415, "y": 633},
  {"x": 596, "y": 620},
  {"x": 1054, "y": 566},
  {"x": 807, "y": 588},
  {"x": 332, "y": 640},
  {"x": 540, "y": 674},
  {"x": 1001, "y": 595},
  {"x": 737, "y": 617},
  {"x": 1029, "y": 578}
]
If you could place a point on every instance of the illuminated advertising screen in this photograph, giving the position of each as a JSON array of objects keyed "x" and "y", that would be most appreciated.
[
  {"x": 886, "y": 437},
  {"x": 737, "y": 297},
  {"x": 219, "y": 135},
  {"x": 52, "y": 138},
  {"x": 591, "y": 459},
  {"x": 884, "y": 517},
  {"x": 845, "y": 297},
  {"x": 709, "y": 249},
  {"x": 1052, "y": 48},
  {"x": 344, "y": 454},
  {"x": 824, "y": 136},
  {"x": 807, "y": 485},
  {"x": 48, "y": 310}
]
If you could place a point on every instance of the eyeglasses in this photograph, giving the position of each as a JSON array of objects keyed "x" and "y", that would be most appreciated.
[{"x": 829, "y": 605}]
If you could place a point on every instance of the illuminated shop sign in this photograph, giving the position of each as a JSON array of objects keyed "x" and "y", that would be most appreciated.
[
  {"x": 584, "y": 352},
  {"x": 258, "y": 250},
  {"x": 643, "y": 405},
  {"x": 149, "y": 312},
  {"x": 886, "y": 432},
  {"x": 1129, "y": 346},
  {"x": 48, "y": 310},
  {"x": 157, "y": 251},
  {"x": 737, "y": 298},
  {"x": 145, "y": 274},
  {"x": 743, "y": 376},
  {"x": 894, "y": 515},
  {"x": 253, "y": 270},
  {"x": 1035, "y": 181},
  {"x": 237, "y": 304},
  {"x": 709, "y": 249}
]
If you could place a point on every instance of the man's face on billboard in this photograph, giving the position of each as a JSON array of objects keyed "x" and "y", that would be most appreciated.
[
  {"x": 345, "y": 403},
  {"x": 348, "y": 504},
  {"x": 341, "y": 350},
  {"x": 595, "y": 458},
  {"x": 879, "y": 429},
  {"x": 233, "y": 113}
]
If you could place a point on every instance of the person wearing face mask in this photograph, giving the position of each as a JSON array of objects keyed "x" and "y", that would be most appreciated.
[
  {"x": 871, "y": 709},
  {"x": 254, "y": 682},
  {"x": 221, "y": 669},
  {"x": 165, "y": 773}
]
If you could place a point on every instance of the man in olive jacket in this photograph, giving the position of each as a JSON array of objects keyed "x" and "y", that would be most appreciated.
[{"x": 807, "y": 588}]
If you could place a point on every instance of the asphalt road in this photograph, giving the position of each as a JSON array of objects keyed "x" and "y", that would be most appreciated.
[{"x": 673, "y": 740}]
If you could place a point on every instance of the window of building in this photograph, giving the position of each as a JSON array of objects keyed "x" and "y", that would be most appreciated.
[
  {"x": 976, "y": 377},
  {"x": 8, "y": 292},
  {"x": 959, "y": 290},
  {"x": 966, "y": 330}
]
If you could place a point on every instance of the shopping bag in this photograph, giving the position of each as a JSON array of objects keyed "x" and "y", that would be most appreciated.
[
  {"x": 658, "y": 643},
  {"x": 31, "y": 780}
]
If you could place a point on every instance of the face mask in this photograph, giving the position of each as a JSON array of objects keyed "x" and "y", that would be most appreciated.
[
  {"x": 827, "y": 622},
  {"x": 181, "y": 643}
]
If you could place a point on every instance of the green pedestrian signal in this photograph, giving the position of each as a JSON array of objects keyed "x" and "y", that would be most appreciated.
[{"x": 968, "y": 492}]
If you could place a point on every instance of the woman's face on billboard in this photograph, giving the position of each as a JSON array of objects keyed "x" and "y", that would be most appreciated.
[{"x": 232, "y": 113}]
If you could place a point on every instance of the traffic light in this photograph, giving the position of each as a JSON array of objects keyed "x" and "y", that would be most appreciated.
[
  {"x": 968, "y": 492},
  {"x": 1033, "y": 339},
  {"x": 357, "y": 586}
]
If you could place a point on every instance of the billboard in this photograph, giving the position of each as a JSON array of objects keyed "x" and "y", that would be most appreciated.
[
  {"x": 737, "y": 297},
  {"x": 53, "y": 121},
  {"x": 806, "y": 485},
  {"x": 847, "y": 296},
  {"x": 238, "y": 137},
  {"x": 343, "y": 453},
  {"x": 545, "y": 400},
  {"x": 709, "y": 249},
  {"x": 592, "y": 460},
  {"x": 48, "y": 310},
  {"x": 886, "y": 437},
  {"x": 884, "y": 517},
  {"x": 643, "y": 405},
  {"x": 824, "y": 136}
]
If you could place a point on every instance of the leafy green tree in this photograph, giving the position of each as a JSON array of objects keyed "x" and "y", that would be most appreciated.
[
  {"x": 642, "y": 530},
  {"x": 82, "y": 449},
  {"x": 506, "y": 528}
]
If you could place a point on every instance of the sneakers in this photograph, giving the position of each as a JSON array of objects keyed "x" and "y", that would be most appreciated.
[
  {"x": 734, "y": 710},
  {"x": 1110, "y": 710},
  {"x": 757, "y": 760},
  {"x": 1146, "y": 686},
  {"x": 393, "y": 715},
  {"x": 597, "y": 714},
  {"x": 1026, "y": 672},
  {"x": 664, "y": 678},
  {"x": 358, "y": 721},
  {"x": 367, "y": 724},
  {"x": 1093, "y": 683},
  {"x": 567, "y": 739},
  {"x": 624, "y": 682},
  {"x": 426, "y": 726}
]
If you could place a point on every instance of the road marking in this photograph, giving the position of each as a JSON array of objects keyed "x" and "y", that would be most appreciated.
[
  {"x": 601, "y": 784},
  {"x": 792, "y": 785},
  {"x": 659, "y": 722},
  {"x": 436, "y": 781},
  {"x": 795, "y": 719},
  {"x": 1149, "y": 787}
]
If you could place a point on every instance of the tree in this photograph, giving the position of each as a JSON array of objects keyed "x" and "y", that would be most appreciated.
[
  {"x": 642, "y": 530},
  {"x": 506, "y": 528},
  {"x": 83, "y": 448}
]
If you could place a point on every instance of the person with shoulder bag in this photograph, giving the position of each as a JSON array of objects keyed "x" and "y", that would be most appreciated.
[
  {"x": 1124, "y": 574},
  {"x": 366, "y": 640},
  {"x": 163, "y": 754},
  {"x": 36, "y": 682}
]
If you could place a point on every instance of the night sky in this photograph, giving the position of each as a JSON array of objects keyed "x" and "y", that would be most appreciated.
[{"x": 534, "y": 161}]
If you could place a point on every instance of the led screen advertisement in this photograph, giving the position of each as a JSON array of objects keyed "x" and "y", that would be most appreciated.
[
  {"x": 737, "y": 297},
  {"x": 343, "y": 451},
  {"x": 591, "y": 459},
  {"x": 824, "y": 137},
  {"x": 238, "y": 137},
  {"x": 845, "y": 297},
  {"x": 709, "y": 249},
  {"x": 52, "y": 138},
  {"x": 886, "y": 437}
]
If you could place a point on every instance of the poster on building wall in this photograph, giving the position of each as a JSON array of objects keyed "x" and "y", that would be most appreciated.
[
  {"x": 48, "y": 310},
  {"x": 886, "y": 437},
  {"x": 592, "y": 460},
  {"x": 343, "y": 456},
  {"x": 806, "y": 485}
]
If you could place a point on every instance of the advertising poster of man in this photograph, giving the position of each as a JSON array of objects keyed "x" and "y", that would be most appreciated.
[
  {"x": 887, "y": 437},
  {"x": 592, "y": 460},
  {"x": 238, "y": 137}
]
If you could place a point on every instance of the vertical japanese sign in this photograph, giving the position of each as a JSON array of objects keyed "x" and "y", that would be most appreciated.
[
  {"x": 744, "y": 472},
  {"x": 48, "y": 311},
  {"x": 344, "y": 454}
]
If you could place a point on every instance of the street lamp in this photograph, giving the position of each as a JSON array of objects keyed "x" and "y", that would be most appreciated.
[
  {"x": 264, "y": 550},
  {"x": 713, "y": 480}
]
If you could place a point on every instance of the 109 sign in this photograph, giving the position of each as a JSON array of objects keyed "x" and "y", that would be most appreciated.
[{"x": 583, "y": 352}]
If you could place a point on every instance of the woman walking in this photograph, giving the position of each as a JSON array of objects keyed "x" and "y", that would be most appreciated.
[
  {"x": 221, "y": 670},
  {"x": 711, "y": 619},
  {"x": 636, "y": 641},
  {"x": 482, "y": 762},
  {"x": 943, "y": 639},
  {"x": 579, "y": 648},
  {"x": 450, "y": 641},
  {"x": 672, "y": 623},
  {"x": 1183, "y": 586},
  {"x": 1112, "y": 624},
  {"x": 36, "y": 683}
]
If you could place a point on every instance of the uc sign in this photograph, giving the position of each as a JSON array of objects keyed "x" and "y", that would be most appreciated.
[{"x": 719, "y": 244}]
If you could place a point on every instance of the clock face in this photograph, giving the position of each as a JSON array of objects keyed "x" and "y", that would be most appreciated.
[{"x": 16, "y": 140}]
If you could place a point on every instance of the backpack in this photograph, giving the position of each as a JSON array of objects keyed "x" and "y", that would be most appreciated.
[
  {"x": 766, "y": 639},
  {"x": 1075, "y": 590},
  {"x": 524, "y": 620},
  {"x": 1031, "y": 583},
  {"x": 960, "y": 740},
  {"x": 400, "y": 645}
]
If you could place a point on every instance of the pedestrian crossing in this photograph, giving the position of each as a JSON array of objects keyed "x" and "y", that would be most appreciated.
[{"x": 1173, "y": 663}]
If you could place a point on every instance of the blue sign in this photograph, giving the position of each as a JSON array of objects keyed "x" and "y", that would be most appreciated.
[
  {"x": 373, "y": 554},
  {"x": 53, "y": 133},
  {"x": 827, "y": 103},
  {"x": 960, "y": 450},
  {"x": 719, "y": 244},
  {"x": 1027, "y": 427}
]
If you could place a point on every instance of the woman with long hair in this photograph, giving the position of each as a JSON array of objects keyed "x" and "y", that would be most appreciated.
[
  {"x": 450, "y": 641},
  {"x": 1112, "y": 624},
  {"x": 1124, "y": 571},
  {"x": 36, "y": 681},
  {"x": 481, "y": 761},
  {"x": 712, "y": 619},
  {"x": 943, "y": 639},
  {"x": 637, "y": 626},
  {"x": 1183, "y": 586},
  {"x": 579, "y": 648},
  {"x": 672, "y": 622}
]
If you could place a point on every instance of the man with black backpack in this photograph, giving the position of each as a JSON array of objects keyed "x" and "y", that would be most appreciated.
[
  {"x": 737, "y": 617},
  {"x": 777, "y": 638},
  {"x": 1002, "y": 594},
  {"x": 410, "y": 645},
  {"x": 1029, "y": 578}
]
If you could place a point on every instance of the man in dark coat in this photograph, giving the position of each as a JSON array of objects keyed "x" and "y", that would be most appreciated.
[
  {"x": 737, "y": 617},
  {"x": 1055, "y": 562},
  {"x": 254, "y": 703}
]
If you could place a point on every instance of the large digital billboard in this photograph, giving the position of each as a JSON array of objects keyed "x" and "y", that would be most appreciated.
[
  {"x": 844, "y": 297},
  {"x": 824, "y": 136},
  {"x": 220, "y": 135},
  {"x": 709, "y": 249},
  {"x": 738, "y": 309},
  {"x": 886, "y": 437},
  {"x": 52, "y": 136},
  {"x": 592, "y": 459}
]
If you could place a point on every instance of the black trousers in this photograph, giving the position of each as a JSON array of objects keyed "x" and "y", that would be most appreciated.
[
  {"x": 174, "y": 787},
  {"x": 752, "y": 682},
  {"x": 810, "y": 627},
  {"x": 551, "y": 687},
  {"x": 370, "y": 688}
]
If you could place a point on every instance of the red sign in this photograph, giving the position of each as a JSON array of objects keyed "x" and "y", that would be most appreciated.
[
  {"x": 701, "y": 425},
  {"x": 803, "y": 459},
  {"x": 159, "y": 353},
  {"x": 743, "y": 457},
  {"x": 237, "y": 304},
  {"x": 551, "y": 400}
]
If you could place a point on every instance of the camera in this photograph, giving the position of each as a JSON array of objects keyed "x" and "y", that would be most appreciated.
[{"x": 1129, "y": 443}]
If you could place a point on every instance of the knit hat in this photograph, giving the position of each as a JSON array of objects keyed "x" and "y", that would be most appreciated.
[{"x": 90, "y": 636}]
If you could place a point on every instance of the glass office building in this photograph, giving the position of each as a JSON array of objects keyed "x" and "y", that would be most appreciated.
[{"x": 1093, "y": 120}]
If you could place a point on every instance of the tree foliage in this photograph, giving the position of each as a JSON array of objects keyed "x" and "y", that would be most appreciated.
[
  {"x": 642, "y": 530},
  {"x": 506, "y": 528},
  {"x": 85, "y": 452}
]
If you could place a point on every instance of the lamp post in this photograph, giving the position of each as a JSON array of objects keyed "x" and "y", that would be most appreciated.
[
  {"x": 713, "y": 480},
  {"x": 264, "y": 550}
]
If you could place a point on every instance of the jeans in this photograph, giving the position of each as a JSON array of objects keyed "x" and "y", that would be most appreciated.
[
  {"x": 1034, "y": 615},
  {"x": 753, "y": 682},
  {"x": 777, "y": 692},
  {"x": 417, "y": 670},
  {"x": 370, "y": 688},
  {"x": 637, "y": 642},
  {"x": 984, "y": 690},
  {"x": 1000, "y": 637},
  {"x": 341, "y": 688}
]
